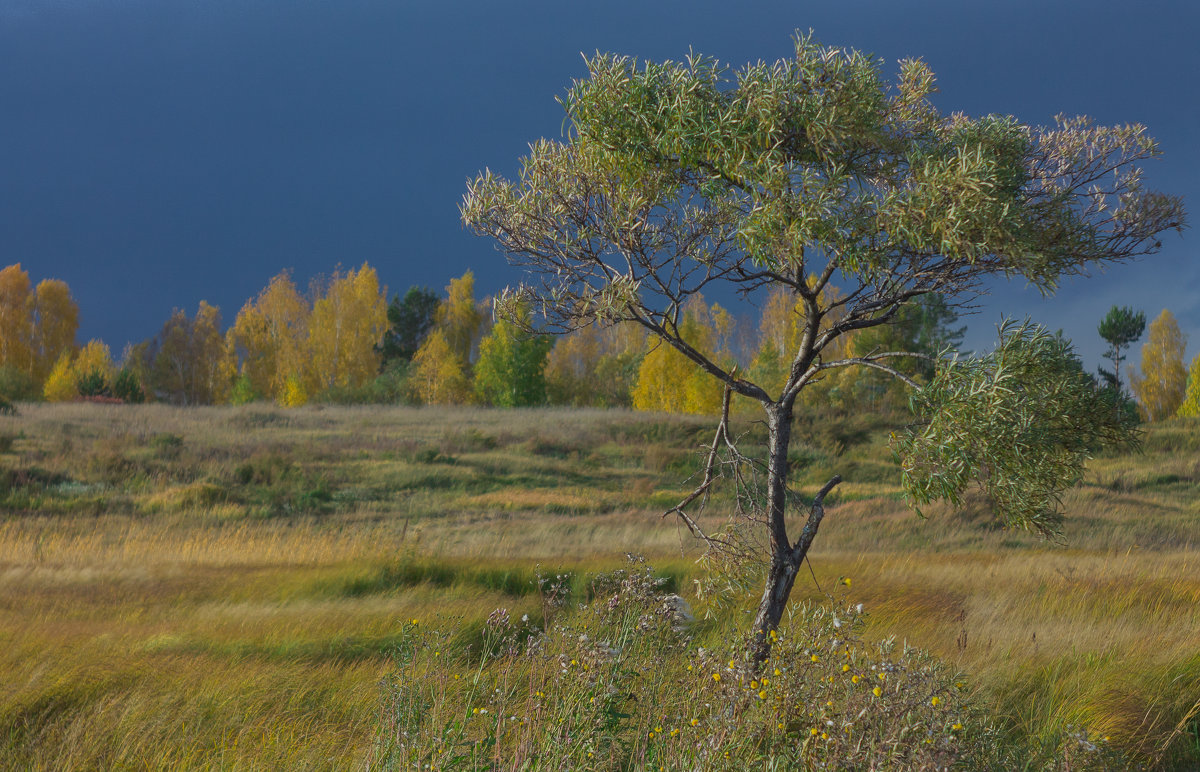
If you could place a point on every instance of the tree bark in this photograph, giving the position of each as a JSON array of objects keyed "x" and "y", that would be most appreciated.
[{"x": 786, "y": 558}]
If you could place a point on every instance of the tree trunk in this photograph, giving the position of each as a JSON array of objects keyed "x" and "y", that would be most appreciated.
[{"x": 786, "y": 558}]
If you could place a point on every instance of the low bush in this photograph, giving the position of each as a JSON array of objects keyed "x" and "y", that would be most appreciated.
[
  {"x": 17, "y": 386},
  {"x": 623, "y": 682}
]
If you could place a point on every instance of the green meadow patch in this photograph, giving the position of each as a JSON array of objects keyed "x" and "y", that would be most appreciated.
[{"x": 237, "y": 588}]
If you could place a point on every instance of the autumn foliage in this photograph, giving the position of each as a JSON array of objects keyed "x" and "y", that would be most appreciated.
[
  {"x": 340, "y": 340},
  {"x": 37, "y": 328},
  {"x": 1160, "y": 385}
]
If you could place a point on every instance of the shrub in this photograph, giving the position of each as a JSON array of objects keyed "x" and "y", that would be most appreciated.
[
  {"x": 127, "y": 388},
  {"x": 166, "y": 445},
  {"x": 294, "y": 394},
  {"x": 92, "y": 384},
  {"x": 17, "y": 385},
  {"x": 621, "y": 684},
  {"x": 390, "y": 387},
  {"x": 243, "y": 392}
]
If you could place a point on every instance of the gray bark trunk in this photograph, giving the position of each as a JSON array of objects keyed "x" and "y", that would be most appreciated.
[{"x": 786, "y": 558}]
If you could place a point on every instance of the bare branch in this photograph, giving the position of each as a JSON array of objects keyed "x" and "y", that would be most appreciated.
[
  {"x": 871, "y": 361},
  {"x": 815, "y": 515}
]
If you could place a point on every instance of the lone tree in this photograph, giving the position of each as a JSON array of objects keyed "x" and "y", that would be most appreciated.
[
  {"x": 1120, "y": 328},
  {"x": 811, "y": 171}
]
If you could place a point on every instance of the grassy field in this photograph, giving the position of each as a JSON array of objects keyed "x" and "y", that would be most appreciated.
[{"x": 228, "y": 588}]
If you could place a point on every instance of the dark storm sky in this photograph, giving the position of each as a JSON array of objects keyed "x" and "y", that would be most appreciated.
[{"x": 154, "y": 153}]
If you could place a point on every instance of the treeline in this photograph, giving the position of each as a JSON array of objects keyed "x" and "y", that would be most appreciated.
[{"x": 341, "y": 341}]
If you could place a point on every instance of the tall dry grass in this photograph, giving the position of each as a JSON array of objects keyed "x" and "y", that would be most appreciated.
[{"x": 227, "y": 587}]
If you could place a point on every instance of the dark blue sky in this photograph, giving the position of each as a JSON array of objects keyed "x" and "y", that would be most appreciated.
[{"x": 154, "y": 153}]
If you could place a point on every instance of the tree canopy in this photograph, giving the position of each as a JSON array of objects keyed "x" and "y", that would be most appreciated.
[
  {"x": 409, "y": 321},
  {"x": 1120, "y": 328},
  {"x": 1161, "y": 384}
]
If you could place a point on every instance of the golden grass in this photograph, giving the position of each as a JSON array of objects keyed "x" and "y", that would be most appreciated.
[{"x": 224, "y": 587}]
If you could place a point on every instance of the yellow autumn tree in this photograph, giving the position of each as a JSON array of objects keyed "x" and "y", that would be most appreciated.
[
  {"x": 347, "y": 324},
  {"x": 60, "y": 383},
  {"x": 439, "y": 375},
  {"x": 570, "y": 365},
  {"x": 442, "y": 365},
  {"x": 1159, "y": 387},
  {"x": 213, "y": 368},
  {"x": 16, "y": 319},
  {"x": 668, "y": 381},
  {"x": 188, "y": 362},
  {"x": 269, "y": 337},
  {"x": 293, "y": 394},
  {"x": 460, "y": 318},
  {"x": 94, "y": 359},
  {"x": 595, "y": 366},
  {"x": 780, "y": 330},
  {"x": 1190, "y": 407},
  {"x": 36, "y": 325},
  {"x": 55, "y": 323}
]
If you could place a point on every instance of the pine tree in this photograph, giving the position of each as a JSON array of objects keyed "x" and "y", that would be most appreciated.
[
  {"x": 1120, "y": 328},
  {"x": 409, "y": 321}
]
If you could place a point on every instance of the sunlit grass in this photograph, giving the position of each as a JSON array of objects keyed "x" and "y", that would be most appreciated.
[{"x": 228, "y": 588}]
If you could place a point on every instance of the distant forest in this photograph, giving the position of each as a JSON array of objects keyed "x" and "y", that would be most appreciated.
[{"x": 341, "y": 340}]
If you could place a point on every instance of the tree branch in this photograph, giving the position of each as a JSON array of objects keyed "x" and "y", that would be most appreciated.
[
  {"x": 870, "y": 361},
  {"x": 815, "y": 516}
]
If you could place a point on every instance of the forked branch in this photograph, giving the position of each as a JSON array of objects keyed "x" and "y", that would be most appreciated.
[{"x": 721, "y": 441}]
